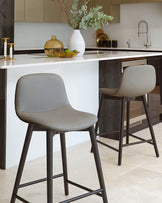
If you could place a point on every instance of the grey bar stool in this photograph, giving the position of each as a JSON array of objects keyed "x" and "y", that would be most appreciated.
[
  {"x": 136, "y": 81},
  {"x": 41, "y": 101}
]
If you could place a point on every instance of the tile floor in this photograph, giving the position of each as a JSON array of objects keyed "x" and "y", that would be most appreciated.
[{"x": 138, "y": 180}]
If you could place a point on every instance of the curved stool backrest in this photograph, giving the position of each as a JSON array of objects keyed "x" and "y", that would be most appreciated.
[
  {"x": 40, "y": 92},
  {"x": 137, "y": 81}
]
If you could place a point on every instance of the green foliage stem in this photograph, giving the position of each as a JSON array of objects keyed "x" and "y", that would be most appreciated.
[{"x": 83, "y": 18}]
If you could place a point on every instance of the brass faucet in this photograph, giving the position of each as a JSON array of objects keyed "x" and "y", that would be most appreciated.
[{"x": 146, "y": 43}]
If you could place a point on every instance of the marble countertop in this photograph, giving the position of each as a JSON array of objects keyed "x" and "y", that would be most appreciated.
[{"x": 41, "y": 59}]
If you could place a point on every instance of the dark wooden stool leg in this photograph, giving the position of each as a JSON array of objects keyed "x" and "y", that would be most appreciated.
[
  {"x": 121, "y": 131},
  {"x": 22, "y": 163},
  {"x": 128, "y": 119},
  {"x": 64, "y": 162},
  {"x": 150, "y": 126},
  {"x": 98, "y": 116},
  {"x": 98, "y": 163},
  {"x": 99, "y": 112},
  {"x": 49, "y": 166}
]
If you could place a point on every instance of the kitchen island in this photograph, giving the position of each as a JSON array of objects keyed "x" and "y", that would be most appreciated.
[{"x": 81, "y": 77}]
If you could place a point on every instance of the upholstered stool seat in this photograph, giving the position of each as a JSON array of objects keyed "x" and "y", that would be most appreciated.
[
  {"x": 136, "y": 81},
  {"x": 62, "y": 119},
  {"x": 41, "y": 101}
]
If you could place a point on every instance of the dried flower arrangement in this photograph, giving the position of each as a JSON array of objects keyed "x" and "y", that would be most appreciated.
[{"x": 79, "y": 16}]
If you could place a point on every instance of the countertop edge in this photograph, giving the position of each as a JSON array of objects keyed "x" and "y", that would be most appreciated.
[{"x": 35, "y": 60}]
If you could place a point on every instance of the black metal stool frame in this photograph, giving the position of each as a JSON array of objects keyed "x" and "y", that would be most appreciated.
[
  {"x": 121, "y": 145},
  {"x": 49, "y": 135}
]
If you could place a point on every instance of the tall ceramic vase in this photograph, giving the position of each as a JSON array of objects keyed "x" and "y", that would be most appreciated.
[{"x": 77, "y": 42}]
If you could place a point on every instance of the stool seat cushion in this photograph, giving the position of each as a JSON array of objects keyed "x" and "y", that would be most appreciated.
[{"x": 61, "y": 119}]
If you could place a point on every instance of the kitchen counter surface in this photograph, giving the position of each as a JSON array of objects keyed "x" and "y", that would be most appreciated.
[
  {"x": 42, "y": 59},
  {"x": 141, "y": 49}
]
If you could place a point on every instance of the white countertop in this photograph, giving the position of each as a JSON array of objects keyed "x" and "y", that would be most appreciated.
[{"x": 41, "y": 59}]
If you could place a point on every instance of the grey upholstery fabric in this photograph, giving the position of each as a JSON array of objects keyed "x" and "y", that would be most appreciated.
[
  {"x": 41, "y": 99},
  {"x": 135, "y": 81},
  {"x": 40, "y": 92}
]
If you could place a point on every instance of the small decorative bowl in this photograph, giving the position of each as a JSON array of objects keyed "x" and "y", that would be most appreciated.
[
  {"x": 50, "y": 52},
  {"x": 64, "y": 54}
]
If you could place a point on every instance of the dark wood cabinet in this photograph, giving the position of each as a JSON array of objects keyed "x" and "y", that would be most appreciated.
[
  {"x": 157, "y": 63},
  {"x": 6, "y": 21},
  {"x": 109, "y": 76},
  {"x": 155, "y": 98}
]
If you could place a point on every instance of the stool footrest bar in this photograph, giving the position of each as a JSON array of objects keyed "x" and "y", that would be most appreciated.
[
  {"x": 139, "y": 138},
  {"x": 83, "y": 187},
  {"x": 139, "y": 142},
  {"x": 39, "y": 181},
  {"x": 21, "y": 199},
  {"x": 108, "y": 146},
  {"x": 82, "y": 196}
]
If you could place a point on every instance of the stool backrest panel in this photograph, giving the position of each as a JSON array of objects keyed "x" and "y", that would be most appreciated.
[
  {"x": 40, "y": 92},
  {"x": 137, "y": 81}
]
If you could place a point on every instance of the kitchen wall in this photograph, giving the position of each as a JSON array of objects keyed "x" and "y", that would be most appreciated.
[
  {"x": 131, "y": 14},
  {"x": 34, "y": 35}
]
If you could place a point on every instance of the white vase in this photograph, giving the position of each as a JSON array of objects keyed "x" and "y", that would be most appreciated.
[{"x": 77, "y": 42}]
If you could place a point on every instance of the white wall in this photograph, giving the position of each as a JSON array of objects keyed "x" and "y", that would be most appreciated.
[
  {"x": 131, "y": 14},
  {"x": 34, "y": 35}
]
